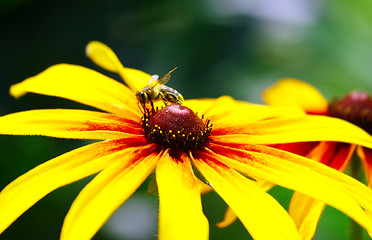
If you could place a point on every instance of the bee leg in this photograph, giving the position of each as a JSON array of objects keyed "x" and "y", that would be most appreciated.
[
  {"x": 144, "y": 107},
  {"x": 152, "y": 105},
  {"x": 141, "y": 107},
  {"x": 165, "y": 100}
]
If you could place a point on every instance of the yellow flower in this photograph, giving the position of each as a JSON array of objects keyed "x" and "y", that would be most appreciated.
[
  {"x": 355, "y": 107},
  {"x": 233, "y": 155}
]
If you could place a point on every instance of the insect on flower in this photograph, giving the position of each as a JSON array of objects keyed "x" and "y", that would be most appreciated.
[
  {"x": 170, "y": 143},
  {"x": 157, "y": 90}
]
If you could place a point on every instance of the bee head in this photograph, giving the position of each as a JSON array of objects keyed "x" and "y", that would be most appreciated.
[{"x": 141, "y": 97}]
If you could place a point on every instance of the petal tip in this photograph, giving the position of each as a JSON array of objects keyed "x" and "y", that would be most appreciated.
[
  {"x": 103, "y": 56},
  {"x": 16, "y": 91},
  {"x": 91, "y": 46},
  {"x": 223, "y": 224},
  {"x": 294, "y": 92}
]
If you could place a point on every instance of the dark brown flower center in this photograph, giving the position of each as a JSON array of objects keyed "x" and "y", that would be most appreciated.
[
  {"x": 356, "y": 108},
  {"x": 176, "y": 126}
]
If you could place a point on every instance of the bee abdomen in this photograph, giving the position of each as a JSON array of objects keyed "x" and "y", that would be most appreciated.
[{"x": 171, "y": 94}]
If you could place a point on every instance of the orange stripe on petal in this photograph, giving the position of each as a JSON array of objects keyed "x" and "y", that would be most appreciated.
[
  {"x": 308, "y": 128},
  {"x": 29, "y": 188},
  {"x": 261, "y": 214},
  {"x": 180, "y": 210},
  {"x": 303, "y": 175},
  {"x": 306, "y": 211},
  {"x": 299, "y": 148},
  {"x": 334, "y": 154},
  {"x": 82, "y": 85},
  {"x": 65, "y": 123},
  {"x": 107, "y": 192}
]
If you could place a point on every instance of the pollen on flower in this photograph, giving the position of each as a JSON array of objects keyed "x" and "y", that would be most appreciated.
[
  {"x": 176, "y": 126},
  {"x": 355, "y": 107}
]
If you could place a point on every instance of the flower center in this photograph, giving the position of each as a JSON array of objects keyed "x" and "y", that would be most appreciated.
[
  {"x": 356, "y": 108},
  {"x": 176, "y": 126}
]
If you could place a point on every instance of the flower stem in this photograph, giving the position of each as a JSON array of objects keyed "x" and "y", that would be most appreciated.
[{"x": 356, "y": 230}]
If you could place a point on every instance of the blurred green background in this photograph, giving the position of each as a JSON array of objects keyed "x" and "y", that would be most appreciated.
[{"x": 235, "y": 48}]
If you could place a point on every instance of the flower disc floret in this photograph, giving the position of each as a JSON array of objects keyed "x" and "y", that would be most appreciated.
[
  {"x": 176, "y": 126},
  {"x": 355, "y": 107}
]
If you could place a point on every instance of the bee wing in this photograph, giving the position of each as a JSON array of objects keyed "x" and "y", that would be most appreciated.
[
  {"x": 166, "y": 77},
  {"x": 154, "y": 80}
]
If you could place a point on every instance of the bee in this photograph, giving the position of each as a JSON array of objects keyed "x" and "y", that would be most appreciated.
[{"x": 158, "y": 91}]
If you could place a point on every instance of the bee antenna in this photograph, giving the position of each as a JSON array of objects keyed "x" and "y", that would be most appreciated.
[{"x": 173, "y": 69}]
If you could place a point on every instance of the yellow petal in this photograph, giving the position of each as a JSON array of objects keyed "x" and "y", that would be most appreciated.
[
  {"x": 261, "y": 214},
  {"x": 107, "y": 192},
  {"x": 203, "y": 187},
  {"x": 65, "y": 123},
  {"x": 199, "y": 105},
  {"x": 81, "y": 85},
  {"x": 306, "y": 212},
  {"x": 230, "y": 216},
  {"x": 365, "y": 155},
  {"x": 302, "y": 175},
  {"x": 29, "y": 188},
  {"x": 227, "y": 112},
  {"x": 228, "y": 219},
  {"x": 308, "y": 128},
  {"x": 180, "y": 210},
  {"x": 358, "y": 190},
  {"x": 213, "y": 109},
  {"x": 104, "y": 57},
  {"x": 293, "y": 92}
]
